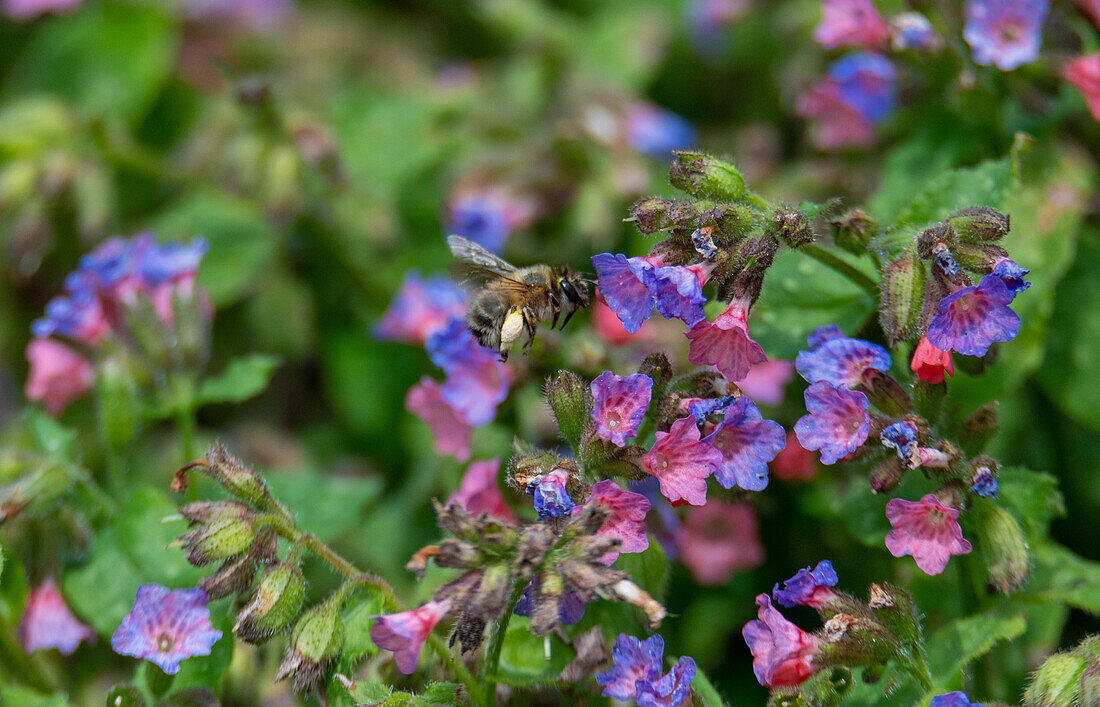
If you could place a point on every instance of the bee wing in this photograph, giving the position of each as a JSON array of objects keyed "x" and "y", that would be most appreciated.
[{"x": 472, "y": 262}]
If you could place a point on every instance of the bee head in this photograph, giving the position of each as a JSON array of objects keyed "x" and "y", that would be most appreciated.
[{"x": 574, "y": 288}]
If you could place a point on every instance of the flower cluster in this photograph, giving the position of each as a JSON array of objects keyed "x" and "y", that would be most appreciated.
[{"x": 636, "y": 674}]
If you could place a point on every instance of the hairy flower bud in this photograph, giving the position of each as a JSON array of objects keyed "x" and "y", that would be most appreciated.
[
  {"x": 932, "y": 237},
  {"x": 1057, "y": 682},
  {"x": 274, "y": 606},
  {"x": 981, "y": 257},
  {"x": 458, "y": 554},
  {"x": 980, "y": 427},
  {"x": 886, "y": 476},
  {"x": 978, "y": 223},
  {"x": 571, "y": 402},
  {"x": 706, "y": 177},
  {"x": 652, "y": 215},
  {"x": 902, "y": 290},
  {"x": 857, "y": 640},
  {"x": 318, "y": 638},
  {"x": 886, "y": 393},
  {"x": 853, "y": 231},
  {"x": 225, "y": 529},
  {"x": 792, "y": 227},
  {"x": 1004, "y": 548},
  {"x": 894, "y": 607},
  {"x": 235, "y": 574},
  {"x": 235, "y": 477}
]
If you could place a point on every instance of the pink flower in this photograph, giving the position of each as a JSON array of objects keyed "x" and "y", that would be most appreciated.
[
  {"x": 610, "y": 328},
  {"x": 836, "y": 123},
  {"x": 1084, "y": 73},
  {"x": 48, "y": 623},
  {"x": 619, "y": 405},
  {"x": 29, "y": 9},
  {"x": 58, "y": 375},
  {"x": 405, "y": 633},
  {"x": 450, "y": 430},
  {"x": 479, "y": 492},
  {"x": 794, "y": 462},
  {"x": 627, "y": 519},
  {"x": 851, "y": 23},
  {"x": 927, "y": 530},
  {"x": 930, "y": 363},
  {"x": 782, "y": 653},
  {"x": 719, "y": 539},
  {"x": 682, "y": 462},
  {"x": 766, "y": 381},
  {"x": 725, "y": 343}
]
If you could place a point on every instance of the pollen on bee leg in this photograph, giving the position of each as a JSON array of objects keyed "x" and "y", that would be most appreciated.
[{"x": 511, "y": 329}]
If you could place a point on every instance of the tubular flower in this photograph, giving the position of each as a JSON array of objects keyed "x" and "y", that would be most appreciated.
[
  {"x": 808, "y": 588},
  {"x": 551, "y": 498},
  {"x": 782, "y": 652},
  {"x": 486, "y": 216},
  {"x": 622, "y": 282},
  {"x": 166, "y": 626},
  {"x": 719, "y": 539},
  {"x": 851, "y": 23},
  {"x": 1083, "y": 73},
  {"x": 626, "y": 520},
  {"x": 450, "y": 431},
  {"x": 479, "y": 492},
  {"x": 766, "y": 381},
  {"x": 747, "y": 443},
  {"x": 1012, "y": 275},
  {"x": 671, "y": 690},
  {"x": 838, "y": 422},
  {"x": 840, "y": 361},
  {"x": 1006, "y": 33},
  {"x": 902, "y": 438},
  {"x": 836, "y": 125},
  {"x": 58, "y": 375},
  {"x": 725, "y": 343},
  {"x": 632, "y": 661},
  {"x": 681, "y": 461},
  {"x": 927, "y": 530},
  {"x": 404, "y": 633},
  {"x": 971, "y": 319},
  {"x": 620, "y": 404},
  {"x": 930, "y": 363},
  {"x": 868, "y": 83},
  {"x": 420, "y": 308},
  {"x": 678, "y": 291},
  {"x": 570, "y": 610},
  {"x": 47, "y": 622},
  {"x": 984, "y": 482}
]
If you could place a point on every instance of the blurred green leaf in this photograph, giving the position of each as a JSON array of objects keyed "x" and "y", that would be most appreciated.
[
  {"x": 110, "y": 59},
  {"x": 243, "y": 378},
  {"x": 14, "y": 696},
  {"x": 706, "y": 692},
  {"x": 13, "y": 591},
  {"x": 988, "y": 184},
  {"x": 441, "y": 693},
  {"x": 648, "y": 569},
  {"x": 50, "y": 436},
  {"x": 327, "y": 506},
  {"x": 1033, "y": 496},
  {"x": 34, "y": 124},
  {"x": 1060, "y": 575},
  {"x": 369, "y": 693},
  {"x": 523, "y": 660},
  {"x": 955, "y": 645}
]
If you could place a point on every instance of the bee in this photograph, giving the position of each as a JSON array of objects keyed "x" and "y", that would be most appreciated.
[{"x": 505, "y": 300}]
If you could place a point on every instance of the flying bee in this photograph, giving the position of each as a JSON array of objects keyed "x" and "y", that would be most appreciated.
[{"x": 505, "y": 300}]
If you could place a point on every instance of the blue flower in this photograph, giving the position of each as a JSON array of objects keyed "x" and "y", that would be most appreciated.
[
  {"x": 623, "y": 284},
  {"x": 702, "y": 408},
  {"x": 912, "y": 30},
  {"x": 808, "y": 588},
  {"x": 1012, "y": 275},
  {"x": 552, "y": 500},
  {"x": 632, "y": 661},
  {"x": 971, "y": 319},
  {"x": 678, "y": 291},
  {"x": 477, "y": 382},
  {"x": 984, "y": 482},
  {"x": 79, "y": 316},
  {"x": 420, "y": 308},
  {"x": 671, "y": 690},
  {"x": 953, "y": 699},
  {"x": 171, "y": 261},
  {"x": 656, "y": 131},
  {"x": 867, "y": 82},
  {"x": 1006, "y": 33},
  {"x": 620, "y": 404},
  {"x": 839, "y": 360},
  {"x": 747, "y": 442},
  {"x": 838, "y": 422},
  {"x": 902, "y": 438},
  {"x": 166, "y": 626},
  {"x": 570, "y": 609},
  {"x": 483, "y": 218}
]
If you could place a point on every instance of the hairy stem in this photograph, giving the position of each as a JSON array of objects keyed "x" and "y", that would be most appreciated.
[
  {"x": 496, "y": 641},
  {"x": 858, "y": 277}
]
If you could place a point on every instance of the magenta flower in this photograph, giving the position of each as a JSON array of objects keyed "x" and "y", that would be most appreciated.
[
  {"x": 725, "y": 343},
  {"x": 627, "y": 519},
  {"x": 450, "y": 429},
  {"x": 838, "y": 422},
  {"x": 1083, "y": 73},
  {"x": 766, "y": 382},
  {"x": 623, "y": 282},
  {"x": 836, "y": 125},
  {"x": 620, "y": 405},
  {"x": 1006, "y": 33},
  {"x": 681, "y": 461},
  {"x": 840, "y": 360},
  {"x": 927, "y": 530},
  {"x": 166, "y": 626},
  {"x": 971, "y": 319},
  {"x": 479, "y": 492},
  {"x": 794, "y": 462},
  {"x": 782, "y": 653},
  {"x": 58, "y": 375},
  {"x": 254, "y": 14},
  {"x": 632, "y": 661},
  {"x": 851, "y": 23},
  {"x": 47, "y": 622},
  {"x": 747, "y": 443},
  {"x": 671, "y": 690},
  {"x": 808, "y": 588},
  {"x": 420, "y": 308},
  {"x": 24, "y": 10},
  {"x": 404, "y": 633},
  {"x": 719, "y": 539}
]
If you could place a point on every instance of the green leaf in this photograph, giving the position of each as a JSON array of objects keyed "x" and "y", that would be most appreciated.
[
  {"x": 1033, "y": 496},
  {"x": 955, "y": 645},
  {"x": 442, "y": 693},
  {"x": 357, "y": 640},
  {"x": 243, "y": 378},
  {"x": 800, "y": 294},
  {"x": 368, "y": 693},
  {"x": 1062, "y": 576},
  {"x": 328, "y": 506},
  {"x": 706, "y": 692},
  {"x": 13, "y": 696},
  {"x": 33, "y": 125},
  {"x": 52, "y": 438},
  {"x": 110, "y": 59},
  {"x": 523, "y": 661},
  {"x": 988, "y": 184},
  {"x": 648, "y": 569}
]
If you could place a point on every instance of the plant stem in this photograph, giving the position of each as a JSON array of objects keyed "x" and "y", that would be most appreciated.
[
  {"x": 491, "y": 664},
  {"x": 185, "y": 424},
  {"x": 858, "y": 277}
]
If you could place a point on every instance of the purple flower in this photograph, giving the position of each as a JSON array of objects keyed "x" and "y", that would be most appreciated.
[
  {"x": 953, "y": 699},
  {"x": 632, "y": 661},
  {"x": 840, "y": 361},
  {"x": 622, "y": 282},
  {"x": 621, "y": 403},
  {"x": 824, "y": 334},
  {"x": 657, "y": 132},
  {"x": 477, "y": 382},
  {"x": 166, "y": 626},
  {"x": 171, "y": 261},
  {"x": 835, "y": 124},
  {"x": 868, "y": 83},
  {"x": 808, "y": 588},
  {"x": 420, "y": 308},
  {"x": 570, "y": 609},
  {"x": 681, "y": 461},
  {"x": 478, "y": 493},
  {"x": 450, "y": 430},
  {"x": 483, "y": 217},
  {"x": 702, "y": 408},
  {"x": 671, "y": 690},
  {"x": 1012, "y": 275},
  {"x": 851, "y": 23},
  {"x": 838, "y": 422},
  {"x": 1006, "y": 33},
  {"x": 626, "y": 519},
  {"x": 912, "y": 30},
  {"x": 902, "y": 438},
  {"x": 984, "y": 482},
  {"x": 747, "y": 443},
  {"x": 678, "y": 291},
  {"x": 782, "y": 653},
  {"x": 47, "y": 622},
  {"x": 551, "y": 498},
  {"x": 78, "y": 316},
  {"x": 971, "y": 318},
  {"x": 404, "y": 633},
  {"x": 255, "y": 14}
]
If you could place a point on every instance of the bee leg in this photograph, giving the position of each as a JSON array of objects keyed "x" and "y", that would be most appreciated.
[
  {"x": 568, "y": 317},
  {"x": 557, "y": 311},
  {"x": 531, "y": 323},
  {"x": 510, "y": 330}
]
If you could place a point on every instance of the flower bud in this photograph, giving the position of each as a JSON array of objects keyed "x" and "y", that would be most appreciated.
[
  {"x": 1090, "y": 683},
  {"x": 318, "y": 638},
  {"x": 894, "y": 607},
  {"x": 886, "y": 476},
  {"x": 980, "y": 427},
  {"x": 981, "y": 257},
  {"x": 235, "y": 575},
  {"x": 886, "y": 393},
  {"x": 702, "y": 239},
  {"x": 706, "y": 177},
  {"x": 652, "y": 215},
  {"x": 857, "y": 640},
  {"x": 734, "y": 220},
  {"x": 571, "y": 402},
  {"x": 792, "y": 227},
  {"x": 225, "y": 530},
  {"x": 235, "y": 477},
  {"x": 978, "y": 223},
  {"x": 932, "y": 237},
  {"x": 458, "y": 554},
  {"x": 853, "y": 231},
  {"x": 1057, "y": 682},
  {"x": 902, "y": 290},
  {"x": 276, "y": 603},
  {"x": 1004, "y": 549}
]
